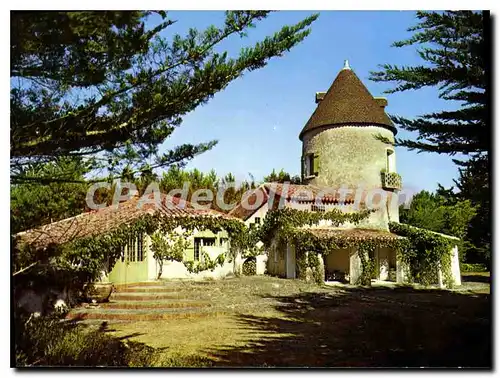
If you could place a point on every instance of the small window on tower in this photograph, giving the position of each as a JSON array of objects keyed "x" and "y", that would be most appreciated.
[
  {"x": 311, "y": 165},
  {"x": 391, "y": 161}
]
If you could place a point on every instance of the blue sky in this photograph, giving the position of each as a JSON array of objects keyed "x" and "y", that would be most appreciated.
[{"x": 258, "y": 117}]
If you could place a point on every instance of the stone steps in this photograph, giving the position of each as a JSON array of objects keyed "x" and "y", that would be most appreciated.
[
  {"x": 144, "y": 302},
  {"x": 150, "y": 296},
  {"x": 141, "y": 316},
  {"x": 155, "y": 304},
  {"x": 145, "y": 289}
]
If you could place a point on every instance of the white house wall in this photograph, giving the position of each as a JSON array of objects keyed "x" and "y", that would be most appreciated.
[{"x": 260, "y": 213}]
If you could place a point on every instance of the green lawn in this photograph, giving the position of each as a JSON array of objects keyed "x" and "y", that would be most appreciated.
[{"x": 264, "y": 321}]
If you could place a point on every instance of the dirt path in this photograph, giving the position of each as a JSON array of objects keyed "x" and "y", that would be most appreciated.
[{"x": 263, "y": 321}]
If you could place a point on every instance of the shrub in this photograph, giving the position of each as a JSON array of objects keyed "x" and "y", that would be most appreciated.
[
  {"x": 250, "y": 267},
  {"x": 47, "y": 341},
  {"x": 318, "y": 271},
  {"x": 206, "y": 264},
  {"x": 473, "y": 267}
]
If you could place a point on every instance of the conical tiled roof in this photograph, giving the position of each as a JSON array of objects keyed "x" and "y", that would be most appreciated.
[{"x": 348, "y": 102}]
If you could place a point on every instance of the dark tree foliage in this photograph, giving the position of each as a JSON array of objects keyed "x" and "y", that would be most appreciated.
[
  {"x": 33, "y": 204},
  {"x": 438, "y": 213},
  {"x": 474, "y": 184},
  {"x": 100, "y": 84},
  {"x": 282, "y": 177},
  {"x": 453, "y": 45}
]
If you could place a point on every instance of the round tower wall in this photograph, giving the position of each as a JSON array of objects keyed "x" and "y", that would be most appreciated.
[
  {"x": 349, "y": 156},
  {"x": 353, "y": 157}
]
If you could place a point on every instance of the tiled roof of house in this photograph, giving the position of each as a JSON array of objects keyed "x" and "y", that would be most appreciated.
[
  {"x": 309, "y": 193},
  {"x": 256, "y": 199},
  {"x": 348, "y": 102},
  {"x": 293, "y": 192},
  {"x": 111, "y": 217},
  {"x": 353, "y": 233}
]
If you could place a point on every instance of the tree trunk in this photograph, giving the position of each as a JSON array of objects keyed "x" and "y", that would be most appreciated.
[{"x": 161, "y": 269}]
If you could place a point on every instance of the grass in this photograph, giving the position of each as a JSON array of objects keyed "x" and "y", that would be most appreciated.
[{"x": 264, "y": 321}]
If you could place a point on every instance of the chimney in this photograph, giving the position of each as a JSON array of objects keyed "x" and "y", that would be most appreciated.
[
  {"x": 381, "y": 101},
  {"x": 320, "y": 96}
]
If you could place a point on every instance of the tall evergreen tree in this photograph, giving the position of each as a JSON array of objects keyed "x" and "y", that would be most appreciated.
[
  {"x": 282, "y": 177},
  {"x": 453, "y": 45},
  {"x": 33, "y": 204},
  {"x": 87, "y": 83},
  {"x": 453, "y": 48}
]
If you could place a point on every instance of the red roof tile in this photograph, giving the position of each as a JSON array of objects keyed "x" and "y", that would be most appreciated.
[
  {"x": 294, "y": 192},
  {"x": 109, "y": 218}
]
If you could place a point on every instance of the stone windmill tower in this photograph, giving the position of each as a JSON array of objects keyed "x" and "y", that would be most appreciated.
[{"x": 348, "y": 140}]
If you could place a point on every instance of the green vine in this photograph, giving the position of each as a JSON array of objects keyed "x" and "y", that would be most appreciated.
[
  {"x": 365, "y": 250},
  {"x": 425, "y": 251},
  {"x": 317, "y": 268},
  {"x": 206, "y": 264},
  {"x": 88, "y": 256},
  {"x": 284, "y": 222},
  {"x": 168, "y": 247},
  {"x": 421, "y": 251},
  {"x": 250, "y": 267}
]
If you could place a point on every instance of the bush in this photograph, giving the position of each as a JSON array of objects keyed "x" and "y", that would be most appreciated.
[
  {"x": 206, "y": 264},
  {"x": 318, "y": 269},
  {"x": 473, "y": 267},
  {"x": 250, "y": 267},
  {"x": 47, "y": 341}
]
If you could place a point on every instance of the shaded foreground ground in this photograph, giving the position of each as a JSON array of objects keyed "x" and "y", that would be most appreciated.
[{"x": 263, "y": 321}]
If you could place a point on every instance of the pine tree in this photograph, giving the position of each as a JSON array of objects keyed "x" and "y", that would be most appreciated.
[
  {"x": 33, "y": 204},
  {"x": 103, "y": 86},
  {"x": 282, "y": 177},
  {"x": 453, "y": 45}
]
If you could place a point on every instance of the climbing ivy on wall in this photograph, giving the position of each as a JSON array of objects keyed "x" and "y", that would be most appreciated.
[
  {"x": 307, "y": 243},
  {"x": 424, "y": 251},
  {"x": 90, "y": 255},
  {"x": 205, "y": 264},
  {"x": 285, "y": 224},
  {"x": 421, "y": 251}
]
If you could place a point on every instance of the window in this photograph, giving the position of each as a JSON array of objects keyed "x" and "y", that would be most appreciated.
[
  {"x": 140, "y": 248},
  {"x": 134, "y": 249},
  {"x": 310, "y": 165},
  {"x": 131, "y": 249},
  {"x": 318, "y": 208},
  {"x": 223, "y": 242},
  {"x": 391, "y": 161},
  {"x": 257, "y": 220},
  {"x": 197, "y": 243},
  {"x": 209, "y": 242}
]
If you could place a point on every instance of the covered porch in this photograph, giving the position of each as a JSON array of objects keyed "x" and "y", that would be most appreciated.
[{"x": 344, "y": 265}]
